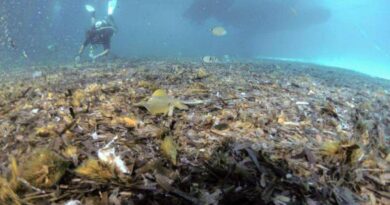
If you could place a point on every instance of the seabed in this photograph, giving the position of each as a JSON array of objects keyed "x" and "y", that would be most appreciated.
[{"x": 185, "y": 132}]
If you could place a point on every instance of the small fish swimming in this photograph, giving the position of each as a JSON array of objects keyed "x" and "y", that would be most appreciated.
[
  {"x": 12, "y": 44},
  {"x": 89, "y": 8},
  {"x": 210, "y": 59},
  {"x": 218, "y": 31},
  {"x": 161, "y": 103},
  {"x": 293, "y": 11},
  {"x": 52, "y": 47},
  {"x": 25, "y": 54}
]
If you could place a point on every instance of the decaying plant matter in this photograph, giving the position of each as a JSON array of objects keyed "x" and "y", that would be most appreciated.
[{"x": 180, "y": 132}]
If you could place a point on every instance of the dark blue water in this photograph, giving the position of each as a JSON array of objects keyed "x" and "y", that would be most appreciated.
[{"x": 352, "y": 34}]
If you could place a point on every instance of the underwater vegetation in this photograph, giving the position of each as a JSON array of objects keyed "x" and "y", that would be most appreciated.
[{"x": 168, "y": 132}]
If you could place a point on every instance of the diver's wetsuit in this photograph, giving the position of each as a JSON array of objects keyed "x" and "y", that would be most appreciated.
[{"x": 100, "y": 36}]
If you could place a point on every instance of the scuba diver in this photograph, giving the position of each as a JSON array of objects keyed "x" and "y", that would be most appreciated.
[{"x": 100, "y": 33}]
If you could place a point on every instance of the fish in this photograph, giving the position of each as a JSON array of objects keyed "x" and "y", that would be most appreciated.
[
  {"x": 293, "y": 11},
  {"x": 210, "y": 59},
  {"x": 161, "y": 103},
  {"x": 25, "y": 54},
  {"x": 12, "y": 44},
  {"x": 52, "y": 47},
  {"x": 218, "y": 31}
]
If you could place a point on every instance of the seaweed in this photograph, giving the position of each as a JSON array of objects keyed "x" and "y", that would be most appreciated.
[{"x": 178, "y": 132}]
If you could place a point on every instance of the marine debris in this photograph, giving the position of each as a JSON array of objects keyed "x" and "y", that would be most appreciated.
[{"x": 174, "y": 132}]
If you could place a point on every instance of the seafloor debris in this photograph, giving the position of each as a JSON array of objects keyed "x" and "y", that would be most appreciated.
[
  {"x": 43, "y": 168},
  {"x": 231, "y": 133},
  {"x": 168, "y": 148},
  {"x": 96, "y": 170},
  {"x": 202, "y": 73},
  {"x": 7, "y": 194}
]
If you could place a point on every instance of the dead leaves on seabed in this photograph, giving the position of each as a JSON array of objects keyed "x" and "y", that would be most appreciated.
[
  {"x": 169, "y": 149},
  {"x": 178, "y": 133}
]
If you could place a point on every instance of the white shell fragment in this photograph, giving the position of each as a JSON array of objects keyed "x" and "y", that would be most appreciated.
[
  {"x": 195, "y": 102},
  {"x": 73, "y": 202},
  {"x": 96, "y": 136},
  {"x": 107, "y": 154},
  {"x": 302, "y": 103}
]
